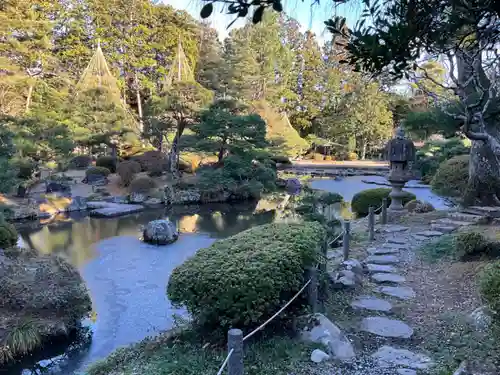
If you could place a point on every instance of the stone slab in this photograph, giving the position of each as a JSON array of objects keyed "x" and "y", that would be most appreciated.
[
  {"x": 387, "y": 356},
  {"x": 388, "y": 278},
  {"x": 450, "y": 222},
  {"x": 394, "y": 229},
  {"x": 380, "y": 268},
  {"x": 371, "y": 303},
  {"x": 382, "y": 259},
  {"x": 385, "y": 327},
  {"x": 443, "y": 228},
  {"x": 429, "y": 233},
  {"x": 116, "y": 209},
  {"x": 398, "y": 241},
  {"x": 401, "y": 292},
  {"x": 493, "y": 212},
  {"x": 460, "y": 216},
  {"x": 405, "y": 371},
  {"x": 382, "y": 250}
]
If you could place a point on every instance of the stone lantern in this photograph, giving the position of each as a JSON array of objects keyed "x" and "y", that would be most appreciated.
[{"x": 401, "y": 154}]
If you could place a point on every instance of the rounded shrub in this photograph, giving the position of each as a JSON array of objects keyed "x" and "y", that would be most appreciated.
[
  {"x": 127, "y": 170},
  {"x": 328, "y": 157},
  {"x": 25, "y": 167},
  {"x": 470, "y": 243},
  {"x": 319, "y": 157},
  {"x": 153, "y": 162},
  {"x": 242, "y": 280},
  {"x": 142, "y": 185},
  {"x": 281, "y": 159},
  {"x": 418, "y": 206},
  {"x": 108, "y": 162},
  {"x": 97, "y": 171},
  {"x": 8, "y": 235},
  {"x": 489, "y": 286},
  {"x": 351, "y": 156},
  {"x": 80, "y": 162},
  {"x": 362, "y": 201},
  {"x": 452, "y": 176}
]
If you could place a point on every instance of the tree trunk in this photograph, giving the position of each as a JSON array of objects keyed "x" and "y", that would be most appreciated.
[
  {"x": 28, "y": 99},
  {"x": 363, "y": 149},
  {"x": 139, "y": 104}
]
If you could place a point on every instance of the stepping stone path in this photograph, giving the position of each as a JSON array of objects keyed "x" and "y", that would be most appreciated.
[
  {"x": 443, "y": 228},
  {"x": 380, "y": 268},
  {"x": 388, "y": 278},
  {"x": 382, "y": 250},
  {"x": 397, "y": 241},
  {"x": 382, "y": 259},
  {"x": 405, "y": 371},
  {"x": 371, "y": 303},
  {"x": 401, "y": 292},
  {"x": 393, "y": 229},
  {"x": 385, "y": 327},
  {"x": 387, "y": 356},
  {"x": 429, "y": 233}
]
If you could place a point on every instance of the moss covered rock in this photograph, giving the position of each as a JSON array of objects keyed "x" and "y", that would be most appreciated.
[
  {"x": 451, "y": 177},
  {"x": 242, "y": 280},
  {"x": 362, "y": 201},
  {"x": 41, "y": 297}
]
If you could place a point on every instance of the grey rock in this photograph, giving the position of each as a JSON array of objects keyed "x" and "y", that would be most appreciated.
[
  {"x": 385, "y": 327},
  {"x": 429, "y": 233},
  {"x": 188, "y": 196},
  {"x": 394, "y": 229},
  {"x": 334, "y": 254},
  {"x": 77, "y": 204},
  {"x": 443, "y": 228},
  {"x": 401, "y": 292},
  {"x": 398, "y": 246},
  {"x": 380, "y": 268},
  {"x": 382, "y": 250},
  {"x": 117, "y": 199},
  {"x": 58, "y": 187},
  {"x": 481, "y": 318},
  {"x": 318, "y": 329},
  {"x": 318, "y": 356},
  {"x": 397, "y": 241},
  {"x": 371, "y": 303},
  {"x": 483, "y": 211},
  {"x": 108, "y": 209},
  {"x": 137, "y": 198},
  {"x": 382, "y": 259},
  {"x": 353, "y": 265},
  {"x": 160, "y": 232},
  {"x": 345, "y": 278},
  {"x": 387, "y": 356},
  {"x": 96, "y": 180},
  {"x": 153, "y": 202},
  {"x": 405, "y": 371},
  {"x": 293, "y": 186},
  {"x": 388, "y": 278}
]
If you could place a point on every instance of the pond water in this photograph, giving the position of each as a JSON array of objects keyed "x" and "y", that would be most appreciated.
[
  {"x": 127, "y": 279},
  {"x": 349, "y": 186}
]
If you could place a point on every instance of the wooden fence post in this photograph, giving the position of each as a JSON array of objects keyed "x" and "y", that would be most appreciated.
[
  {"x": 346, "y": 239},
  {"x": 312, "y": 289},
  {"x": 384, "y": 211},
  {"x": 235, "y": 343},
  {"x": 371, "y": 223}
]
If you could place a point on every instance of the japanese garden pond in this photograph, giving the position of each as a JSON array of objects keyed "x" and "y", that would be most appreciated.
[{"x": 127, "y": 278}]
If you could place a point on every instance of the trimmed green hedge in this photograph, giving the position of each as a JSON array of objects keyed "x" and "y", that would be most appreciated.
[
  {"x": 8, "y": 235},
  {"x": 362, "y": 201},
  {"x": 452, "y": 177},
  {"x": 244, "y": 279},
  {"x": 489, "y": 286}
]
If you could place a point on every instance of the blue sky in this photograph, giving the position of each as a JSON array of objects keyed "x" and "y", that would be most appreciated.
[{"x": 298, "y": 9}]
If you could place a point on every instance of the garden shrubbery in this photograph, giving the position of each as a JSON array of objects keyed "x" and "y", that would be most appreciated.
[
  {"x": 362, "y": 201},
  {"x": 80, "y": 162},
  {"x": 8, "y": 234},
  {"x": 244, "y": 279},
  {"x": 142, "y": 185},
  {"x": 153, "y": 162},
  {"x": 468, "y": 244},
  {"x": 489, "y": 286},
  {"x": 108, "y": 162},
  {"x": 452, "y": 176},
  {"x": 127, "y": 170},
  {"x": 97, "y": 171}
]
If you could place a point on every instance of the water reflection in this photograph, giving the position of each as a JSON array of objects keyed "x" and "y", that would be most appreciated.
[{"x": 127, "y": 278}]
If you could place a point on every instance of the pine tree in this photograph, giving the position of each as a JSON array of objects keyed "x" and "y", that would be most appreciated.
[{"x": 210, "y": 65}]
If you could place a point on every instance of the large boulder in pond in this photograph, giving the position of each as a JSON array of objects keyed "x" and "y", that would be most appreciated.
[
  {"x": 60, "y": 187},
  {"x": 160, "y": 232},
  {"x": 293, "y": 186}
]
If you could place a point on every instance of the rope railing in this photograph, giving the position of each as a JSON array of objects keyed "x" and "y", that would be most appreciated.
[
  {"x": 336, "y": 238},
  {"x": 224, "y": 364}
]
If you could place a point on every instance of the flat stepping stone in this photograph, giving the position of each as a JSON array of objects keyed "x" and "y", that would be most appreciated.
[
  {"x": 380, "y": 268},
  {"x": 450, "y": 222},
  {"x": 387, "y": 356},
  {"x": 443, "y": 228},
  {"x": 483, "y": 211},
  {"x": 388, "y": 278},
  {"x": 394, "y": 229},
  {"x": 421, "y": 238},
  {"x": 397, "y": 241},
  {"x": 429, "y": 233},
  {"x": 401, "y": 292},
  {"x": 382, "y": 259},
  {"x": 459, "y": 216},
  {"x": 385, "y": 327},
  {"x": 371, "y": 303},
  {"x": 398, "y": 246},
  {"x": 405, "y": 371},
  {"x": 383, "y": 250}
]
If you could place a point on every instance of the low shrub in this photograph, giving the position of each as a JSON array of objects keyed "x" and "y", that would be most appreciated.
[
  {"x": 452, "y": 176},
  {"x": 489, "y": 286},
  {"x": 153, "y": 162},
  {"x": 80, "y": 162},
  {"x": 25, "y": 167},
  {"x": 108, "y": 162},
  {"x": 318, "y": 157},
  {"x": 97, "y": 171},
  {"x": 469, "y": 244},
  {"x": 310, "y": 201},
  {"x": 142, "y": 185},
  {"x": 8, "y": 235},
  {"x": 418, "y": 206},
  {"x": 281, "y": 159},
  {"x": 351, "y": 156},
  {"x": 242, "y": 280},
  {"x": 127, "y": 170},
  {"x": 362, "y": 201},
  {"x": 329, "y": 158},
  {"x": 309, "y": 156}
]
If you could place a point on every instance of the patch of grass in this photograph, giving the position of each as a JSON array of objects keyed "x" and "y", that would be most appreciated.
[
  {"x": 278, "y": 355},
  {"x": 443, "y": 247},
  {"x": 452, "y": 339}
]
